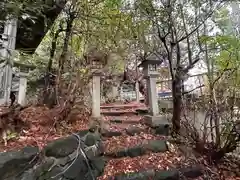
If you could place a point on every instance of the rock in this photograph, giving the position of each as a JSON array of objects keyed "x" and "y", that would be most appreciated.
[
  {"x": 142, "y": 111},
  {"x": 13, "y": 163},
  {"x": 141, "y": 175},
  {"x": 120, "y": 153},
  {"x": 98, "y": 164},
  {"x": 116, "y": 121},
  {"x": 54, "y": 174},
  {"x": 132, "y": 130},
  {"x": 157, "y": 146},
  {"x": 95, "y": 150},
  {"x": 166, "y": 175},
  {"x": 91, "y": 139},
  {"x": 83, "y": 132},
  {"x": 78, "y": 169},
  {"x": 111, "y": 133},
  {"x": 61, "y": 147},
  {"x": 156, "y": 121},
  {"x": 192, "y": 172},
  {"x": 64, "y": 146},
  {"x": 28, "y": 175},
  {"x": 136, "y": 151},
  {"x": 43, "y": 171},
  {"x": 163, "y": 129}
]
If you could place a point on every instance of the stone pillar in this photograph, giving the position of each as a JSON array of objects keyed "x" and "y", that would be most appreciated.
[
  {"x": 152, "y": 95},
  {"x": 121, "y": 93},
  {"x": 114, "y": 91},
  {"x": 9, "y": 41},
  {"x": 137, "y": 91},
  {"x": 22, "y": 90},
  {"x": 96, "y": 95}
]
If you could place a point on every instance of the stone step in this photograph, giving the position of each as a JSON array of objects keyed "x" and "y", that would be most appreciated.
[
  {"x": 128, "y": 141},
  {"x": 157, "y": 166},
  {"x": 117, "y": 113},
  {"x": 142, "y": 111},
  {"x": 133, "y": 117},
  {"x": 118, "y": 121},
  {"x": 124, "y": 119},
  {"x": 121, "y": 129},
  {"x": 139, "y": 150},
  {"x": 122, "y": 106},
  {"x": 173, "y": 174}
]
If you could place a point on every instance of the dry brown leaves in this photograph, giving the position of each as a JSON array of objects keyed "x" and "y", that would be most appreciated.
[
  {"x": 38, "y": 135},
  {"x": 120, "y": 142},
  {"x": 151, "y": 161}
]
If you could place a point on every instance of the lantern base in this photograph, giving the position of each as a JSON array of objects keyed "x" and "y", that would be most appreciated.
[{"x": 156, "y": 121}]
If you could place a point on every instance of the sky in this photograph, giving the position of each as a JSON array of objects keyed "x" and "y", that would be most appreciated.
[{"x": 201, "y": 67}]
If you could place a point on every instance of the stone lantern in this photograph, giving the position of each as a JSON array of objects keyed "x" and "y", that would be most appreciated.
[
  {"x": 96, "y": 67},
  {"x": 150, "y": 66},
  {"x": 150, "y": 70}
]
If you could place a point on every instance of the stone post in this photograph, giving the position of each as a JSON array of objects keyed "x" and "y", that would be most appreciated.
[
  {"x": 137, "y": 91},
  {"x": 152, "y": 95},
  {"x": 9, "y": 41},
  {"x": 96, "y": 95},
  {"x": 114, "y": 91},
  {"x": 22, "y": 89}
]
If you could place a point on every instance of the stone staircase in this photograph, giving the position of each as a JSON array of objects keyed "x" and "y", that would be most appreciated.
[{"x": 136, "y": 151}]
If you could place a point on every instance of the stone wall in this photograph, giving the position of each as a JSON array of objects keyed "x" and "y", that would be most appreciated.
[{"x": 78, "y": 156}]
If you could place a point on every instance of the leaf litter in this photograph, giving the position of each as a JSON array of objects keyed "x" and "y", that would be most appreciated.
[{"x": 41, "y": 130}]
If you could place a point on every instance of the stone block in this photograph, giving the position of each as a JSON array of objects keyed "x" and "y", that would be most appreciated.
[
  {"x": 12, "y": 163},
  {"x": 98, "y": 165},
  {"x": 41, "y": 171},
  {"x": 54, "y": 173},
  {"x": 136, "y": 151},
  {"x": 141, "y": 175},
  {"x": 120, "y": 153},
  {"x": 91, "y": 139},
  {"x": 142, "y": 111},
  {"x": 167, "y": 175},
  {"x": 192, "y": 172},
  {"x": 156, "y": 121},
  {"x": 62, "y": 147},
  {"x": 95, "y": 150},
  {"x": 116, "y": 121},
  {"x": 165, "y": 104},
  {"x": 111, "y": 134},
  {"x": 163, "y": 129},
  {"x": 132, "y": 130},
  {"x": 78, "y": 169},
  {"x": 157, "y": 146}
]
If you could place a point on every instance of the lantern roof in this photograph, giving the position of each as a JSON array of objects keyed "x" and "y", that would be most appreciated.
[{"x": 152, "y": 59}]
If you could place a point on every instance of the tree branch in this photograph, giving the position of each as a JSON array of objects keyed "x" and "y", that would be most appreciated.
[
  {"x": 193, "y": 89},
  {"x": 196, "y": 28}
]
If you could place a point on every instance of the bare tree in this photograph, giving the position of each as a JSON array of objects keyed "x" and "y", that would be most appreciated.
[{"x": 177, "y": 32}]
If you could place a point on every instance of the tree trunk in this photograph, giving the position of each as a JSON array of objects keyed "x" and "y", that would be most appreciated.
[
  {"x": 177, "y": 103},
  {"x": 49, "y": 96},
  {"x": 65, "y": 45}
]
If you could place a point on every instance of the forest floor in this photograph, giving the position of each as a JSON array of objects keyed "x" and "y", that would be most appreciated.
[{"x": 39, "y": 132}]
